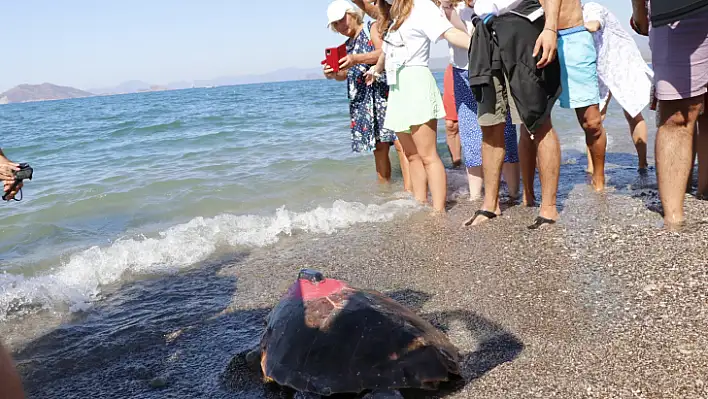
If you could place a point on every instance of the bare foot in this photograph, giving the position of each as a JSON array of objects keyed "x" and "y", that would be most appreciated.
[
  {"x": 549, "y": 212},
  {"x": 438, "y": 213},
  {"x": 674, "y": 225},
  {"x": 674, "y": 221},
  {"x": 598, "y": 183}
]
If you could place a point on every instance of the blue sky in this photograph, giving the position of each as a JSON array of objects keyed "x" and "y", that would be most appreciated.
[{"x": 89, "y": 44}]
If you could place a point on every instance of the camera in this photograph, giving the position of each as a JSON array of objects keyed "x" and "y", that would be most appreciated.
[{"x": 24, "y": 173}]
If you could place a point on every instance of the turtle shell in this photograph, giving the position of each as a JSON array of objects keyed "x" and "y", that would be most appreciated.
[{"x": 327, "y": 337}]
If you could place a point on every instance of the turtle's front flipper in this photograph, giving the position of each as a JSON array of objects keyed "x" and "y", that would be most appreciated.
[
  {"x": 380, "y": 394},
  {"x": 244, "y": 369},
  {"x": 253, "y": 359}
]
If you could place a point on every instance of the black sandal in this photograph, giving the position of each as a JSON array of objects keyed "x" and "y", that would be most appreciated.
[
  {"x": 540, "y": 221},
  {"x": 486, "y": 214}
]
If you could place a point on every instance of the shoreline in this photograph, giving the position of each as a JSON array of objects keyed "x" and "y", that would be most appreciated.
[{"x": 603, "y": 306}]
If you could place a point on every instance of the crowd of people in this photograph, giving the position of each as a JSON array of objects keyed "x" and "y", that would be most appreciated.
[{"x": 511, "y": 61}]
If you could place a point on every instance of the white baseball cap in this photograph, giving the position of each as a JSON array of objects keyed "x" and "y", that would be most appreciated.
[{"x": 337, "y": 9}]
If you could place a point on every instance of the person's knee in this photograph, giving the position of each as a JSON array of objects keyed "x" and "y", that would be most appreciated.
[
  {"x": 413, "y": 157},
  {"x": 428, "y": 159},
  {"x": 540, "y": 133},
  {"x": 592, "y": 125}
]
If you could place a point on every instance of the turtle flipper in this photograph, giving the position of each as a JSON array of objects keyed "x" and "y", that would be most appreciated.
[
  {"x": 253, "y": 359},
  {"x": 244, "y": 369}
]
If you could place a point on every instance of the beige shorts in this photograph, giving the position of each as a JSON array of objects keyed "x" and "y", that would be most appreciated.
[{"x": 491, "y": 113}]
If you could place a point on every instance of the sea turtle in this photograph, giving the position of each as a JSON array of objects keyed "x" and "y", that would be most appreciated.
[{"x": 327, "y": 337}]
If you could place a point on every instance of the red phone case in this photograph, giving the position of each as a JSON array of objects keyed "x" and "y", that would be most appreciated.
[{"x": 333, "y": 55}]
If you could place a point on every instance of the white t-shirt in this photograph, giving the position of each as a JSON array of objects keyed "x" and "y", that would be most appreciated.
[
  {"x": 410, "y": 44},
  {"x": 496, "y": 7},
  {"x": 459, "y": 58}
]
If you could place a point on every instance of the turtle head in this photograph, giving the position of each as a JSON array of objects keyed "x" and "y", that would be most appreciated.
[{"x": 310, "y": 275}]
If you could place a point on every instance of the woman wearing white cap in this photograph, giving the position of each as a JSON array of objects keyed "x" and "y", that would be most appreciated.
[
  {"x": 415, "y": 104},
  {"x": 367, "y": 104}
]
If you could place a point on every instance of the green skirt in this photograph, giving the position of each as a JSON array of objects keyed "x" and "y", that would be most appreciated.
[{"x": 414, "y": 99}]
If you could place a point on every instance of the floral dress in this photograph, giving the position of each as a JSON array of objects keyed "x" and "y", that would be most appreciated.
[{"x": 367, "y": 104}]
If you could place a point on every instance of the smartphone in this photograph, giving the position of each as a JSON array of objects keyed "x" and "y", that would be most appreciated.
[{"x": 333, "y": 55}]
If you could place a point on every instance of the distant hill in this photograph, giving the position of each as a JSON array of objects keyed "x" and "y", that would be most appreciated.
[
  {"x": 281, "y": 75},
  {"x": 45, "y": 91},
  {"x": 131, "y": 86}
]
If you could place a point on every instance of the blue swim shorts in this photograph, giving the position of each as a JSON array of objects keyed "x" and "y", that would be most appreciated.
[{"x": 578, "y": 60}]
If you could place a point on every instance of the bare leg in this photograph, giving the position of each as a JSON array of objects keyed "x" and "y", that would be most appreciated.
[
  {"x": 595, "y": 138},
  {"x": 674, "y": 142},
  {"x": 425, "y": 139},
  {"x": 549, "y": 157},
  {"x": 694, "y": 151},
  {"x": 10, "y": 383},
  {"x": 405, "y": 169},
  {"x": 475, "y": 179},
  {"x": 383, "y": 162},
  {"x": 638, "y": 130},
  {"x": 527, "y": 160},
  {"x": 493, "y": 150},
  {"x": 452, "y": 128},
  {"x": 603, "y": 114},
  {"x": 511, "y": 173},
  {"x": 419, "y": 179},
  {"x": 702, "y": 147}
]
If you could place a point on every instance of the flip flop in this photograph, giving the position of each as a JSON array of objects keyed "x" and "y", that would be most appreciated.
[
  {"x": 487, "y": 214},
  {"x": 540, "y": 221}
]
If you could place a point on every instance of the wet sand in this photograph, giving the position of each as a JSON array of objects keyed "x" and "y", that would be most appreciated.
[{"x": 604, "y": 304}]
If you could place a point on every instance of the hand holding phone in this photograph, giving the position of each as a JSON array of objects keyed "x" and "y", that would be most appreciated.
[
  {"x": 347, "y": 62},
  {"x": 334, "y": 55}
]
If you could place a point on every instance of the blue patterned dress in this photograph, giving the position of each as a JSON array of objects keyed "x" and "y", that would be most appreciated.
[{"x": 367, "y": 104}]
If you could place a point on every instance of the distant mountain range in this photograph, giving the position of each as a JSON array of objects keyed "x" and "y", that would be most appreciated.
[
  {"x": 282, "y": 75},
  {"x": 42, "y": 92},
  {"x": 48, "y": 91}
]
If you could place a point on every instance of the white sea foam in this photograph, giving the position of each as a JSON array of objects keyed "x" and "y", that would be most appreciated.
[{"x": 78, "y": 282}]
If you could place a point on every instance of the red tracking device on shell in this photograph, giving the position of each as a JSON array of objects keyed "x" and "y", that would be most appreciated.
[{"x": 333, "y": 55}]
